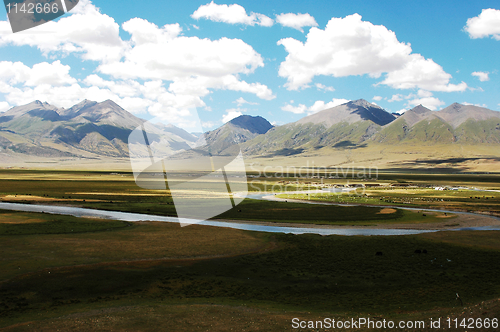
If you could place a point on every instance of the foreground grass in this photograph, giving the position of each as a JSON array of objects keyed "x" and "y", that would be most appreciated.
[
  {"x": 332, "y": 275},
  {"x": 31, "y": 245},
  {"x": 187, "y": 317},
  {"x": 26, "y": 223}
]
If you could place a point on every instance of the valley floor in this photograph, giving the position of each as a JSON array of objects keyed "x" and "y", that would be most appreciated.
[{"x": 88, "y": 274}]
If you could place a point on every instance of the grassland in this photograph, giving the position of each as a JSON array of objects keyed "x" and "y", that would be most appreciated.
[
  {"x": 82, "y": 274},
  {"x": 118, "y": 191},
  {"x": 137, "y": 274},
  {"x": 458, "y": 200}
]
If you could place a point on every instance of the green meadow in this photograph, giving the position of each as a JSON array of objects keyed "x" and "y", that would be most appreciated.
[{"x": 79, "y": 274}]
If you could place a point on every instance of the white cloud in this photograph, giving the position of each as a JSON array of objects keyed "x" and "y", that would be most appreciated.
[
  {"x": 162, "y": 53},
  {"x": 401, "y": 111},
  {"x": 207, "y": 125},
  {"x": 121, "y": 88},
  {"x": 101, "y": 42},
  {"x": 431, "y": 103},
  {"x": 325, "y": 88},
  {"x": 484, "y": 25},
  {"x": 318, "y": 106},
  {"x": 479, "y": 105},
  {"x": 4, "y": 106},
  {"x": 54, "y": 74},
  {"x": 481, "y": 75},
  {"x": 396, "y": 97},
  {"x": 424, "y": 93},
  {"x": 176, "y": 71},
  {"x": 349, "y": 46},
  {"x": 377, "y": 98},
  {"x": 193, "y": 65},
  {"x": 425, "y": 98},
  {"x": 296, "y": 21},
  {"x": 241, "y": 101},
  {"x": 232, "y": 113},
  {"x": 295, "y": 109},
  {"x": 422, "y": 73},
  {"x": 232, "y": 14}
]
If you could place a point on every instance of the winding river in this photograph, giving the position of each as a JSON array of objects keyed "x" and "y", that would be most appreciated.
[{"x": 132, "y": 217}]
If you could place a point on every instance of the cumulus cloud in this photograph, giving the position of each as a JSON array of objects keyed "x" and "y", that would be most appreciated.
[
  {"x": 4, "y": 106},
  {"x": 232, "y": 14},
  {"x": 484, "y": 25},
  {"x": 396, "y": 97},
  {"x": 301, "y": 108},
  {"x": 424, "y": 98},
  {"x": 156, "y": 70},
  {"x": 296, "y": 21},
  {"x": 377, "y": 98},
  {"x": 241, "y": 101},
  {"x": 232, "y": 113},
  {"x": 479, "y": 105},
  {"x": 69, "y": 35},
  {"x": 431, "y": 103},
  {"x": 422, "y": 73},
  {"x": 349, "y": 46},
  {"x": 318, "y": 106},
  {"x": 325, "y": 88},
  {"x": 481, "y": 75},
  {"x": 55, "y": 73}
]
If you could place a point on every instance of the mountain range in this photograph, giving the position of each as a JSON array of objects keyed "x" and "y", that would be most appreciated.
[
  {"x": 88, "y": 129},
  {"x": 100, "y": 130}
]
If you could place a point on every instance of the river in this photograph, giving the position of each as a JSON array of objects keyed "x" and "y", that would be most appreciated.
[{"x": 133, "y": 217}]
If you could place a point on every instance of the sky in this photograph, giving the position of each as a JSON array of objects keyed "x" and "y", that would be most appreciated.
[{"x": 181, "y": 61}]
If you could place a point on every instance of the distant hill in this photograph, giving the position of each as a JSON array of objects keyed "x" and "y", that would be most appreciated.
[
  {"x": 464, "y": 124},
  {"x": 238, "y": 130},
  {"x": 346, "y": 125},
  {"x": 87, "y": 129},
  {"x": 350, "y": 112},
  {"x": 101, "y": 130}
]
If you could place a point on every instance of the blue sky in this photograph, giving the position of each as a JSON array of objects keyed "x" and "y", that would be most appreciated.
[{"x": 282, "y": 60}]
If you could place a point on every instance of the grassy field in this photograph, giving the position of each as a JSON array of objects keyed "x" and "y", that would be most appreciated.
[
  {"x": 81, "y": 274},
  {"x": 136, "y": 274},
  {"x": 118, "y": 191},
  {"x": 460, "y": 200}
]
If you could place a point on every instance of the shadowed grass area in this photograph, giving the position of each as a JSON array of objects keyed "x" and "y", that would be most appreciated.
[
  {"x": 307, "y": 213},
  {"x": 26, "y": 223},
  {"x": 313, "y": 273},
  {"x": 23, "y": 252}
]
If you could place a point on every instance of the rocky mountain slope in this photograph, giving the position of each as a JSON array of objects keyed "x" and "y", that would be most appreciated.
[
  {"x": 236, "y": 131},
  {"x": 87, "y": 129},
  {"x": 347, "y": 125},
  {"x": 460, "y": 124},
  {"x": 90, "y": 129}
]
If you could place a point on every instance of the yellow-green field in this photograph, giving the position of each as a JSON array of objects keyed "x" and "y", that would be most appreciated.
[{"x": 81, "y": 274}]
